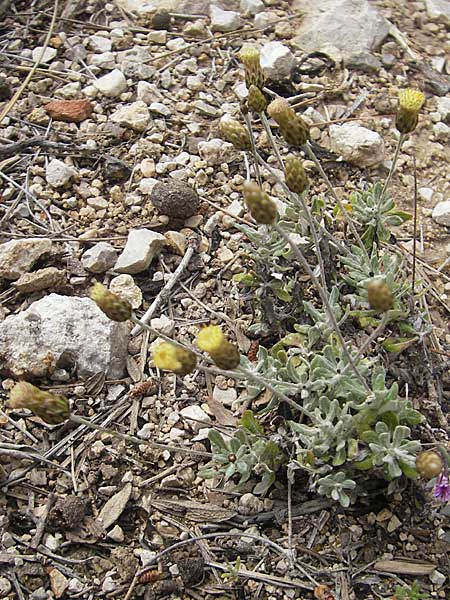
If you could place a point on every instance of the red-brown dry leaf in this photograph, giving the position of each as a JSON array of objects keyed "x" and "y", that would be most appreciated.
[{"x": 72, "y": 111}]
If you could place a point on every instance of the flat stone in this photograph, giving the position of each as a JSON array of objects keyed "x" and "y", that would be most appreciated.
[
  {"x": 115, "y": 506},
  {"x": 135, "y": 116},
  {"x": 62, "y": 332},
  {"x": 357, "y": 145},
  {"x": 199, "y": 417},
  {"x": 99, "y": 258},
  {"x": 43, "y": 279},
  {"x": 18, "y": 256},
  {"x": 125, "y": 287},
  {"x": 264, "y": 19},
  {"x": 148, "y": 92},
  {"x": 177, "y": 241},
  {"x": 141, "y": 248},
  {"x": 58, "y": 582},
  {"x": 441, "y": 132},
  {"x": 71, "y": 111},
  {"x": 58, "y": 174},
  {"x": 112, "y": 84},
  {"x": 116, "y": 534},
  {"x": 363, "y": 61},
  {"x": 277, "y": 61},
  {"x": 224, "y": 20},
  {"x": 190, "y": 7},
  {"x": 48, "y": 55},
  {"x": 163, "y": 325},
  {"x": 225, "y": 397},
  {"x": 251, "y": 7},
  {"x": 352, "y": 26},
  {"x": 160, "y": 109},
  {"x": 443, "y": 108},
  {"x": 438, "y": 10},
  {"x": 441, "y": 213},
  {"x": 216, "y": 151},
  {"x": 99, "y": 43}
]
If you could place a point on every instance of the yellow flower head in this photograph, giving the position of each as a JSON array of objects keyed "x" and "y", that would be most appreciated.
[
  {"x": 295, "y": 176},
  {"x": 261, "y": 206},
  {"x": 51, "y": 408},
  {"x": 114, "y": 307},
  {"x": 409, "y": 104},
  {"x": 173, "y": 358},
  {"x": 234, "y": 132},
  {"x": 379, "y": 295},
  {"x": 211, "y": 339},
  {"x": 254, "y": 75},
  {"x": 280, "y": 111}
]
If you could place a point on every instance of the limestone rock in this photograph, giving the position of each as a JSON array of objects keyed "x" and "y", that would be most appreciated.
[
  {"x": 438, "y": 10},
  {"x": 135, "y": 116},
  {"x": 125, "y": 287},
  {"x": 195, "y": 417},
  {"x": 224, "y": 20},
  {"x": 18, "y": 256},
  {"x": 277, "y": 61},
  {"x": 99, "y": 258},
  {"x": 58, "y": 174},
  {"x": 441, "y": 213},
  {"x": 112, "y": 84},
  {"x": 251, "y": 7},
  {"x": 43, "y": 279},
  {"x": 443, "y": 108},
  {"x": 48, "y": 55},
  {"x": 61, "y": 332},
  {"x": 216, "y": 151},
  {"x": 356, "y": 144},
  {"x": 141, "y": 248}
]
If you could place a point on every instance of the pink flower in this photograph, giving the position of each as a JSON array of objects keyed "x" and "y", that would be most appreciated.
[{"x": 442, "y": 488}]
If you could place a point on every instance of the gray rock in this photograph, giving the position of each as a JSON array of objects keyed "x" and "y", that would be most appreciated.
[
  {"x": 48, "y": 54},
  {"x": 61, "y": 332},
  {"x": 264, "y": 19},
  {"x": 195, "y": 417},
  {"x": 277, "y": 61},
  {"x": 250, "y": 505},
  {"x": 112, "y": 84},
  {"x": 43, "y": 279},
  {"x": 251, "y": 7},
  {"x": 144, "y": 7},
  {"x": 441, "y": 213},
  {"x": 441, "y": 132},
  {"x": 363, "y": 61},
  {"x": 124, "y": 286},
  {"x": 115, "y": 506},
  {"x": 148, "y": 92},
  {"x": 134, "y": 116},
  {"x": 141, "y": 248},
  {"x": 99, "y": 43},
  {"x": 224, "y": 20},
  {"x": 352, "y": 26},
  {"x": 225, "y": 397},
  {"x": 18, "y": 256},
  {"x": 425, "y": 194},
  {"x": 58, "y": 174},
  {"x": 438, "y": 10},
  {"x": 443, "y": 108},
  {"x": 99, "y": 258},
  {"x": 216, "y": 151},
  {"x": 356, "y": 144},
  {"x": 5, "y": 586},
  {"x": 160, "y": 109}
]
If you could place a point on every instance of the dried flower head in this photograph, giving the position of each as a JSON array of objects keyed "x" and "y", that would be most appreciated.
[
  {"x": 379, "y": 295},
  {"x": 173, "y": 358},
  {"x": 51, "y": 408},
  {"x": 250, "y": 58},
  {"x": 256, "y": 100},
  {"x": 429, "y": 464},
  {"x": 234, "y": 132},
  {"x": 409, "y": 104},
  {"x": 295, "y": 175},
  {"x": 262, "y": 208},
  {"x": 114, "y": 307},
  {"x": 212, "y": 340},
  {"x": 280, "y": 111},
  {"x": 292, "y": 127},
  {"x": 442, "y": 488}
]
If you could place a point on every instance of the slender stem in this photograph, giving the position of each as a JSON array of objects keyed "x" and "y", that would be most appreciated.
[
  {"x": 273, "y": 143},
  {"x": 254, "y": 152},
  {"x": 414, "y": 257},
  {"x": 394, "y": 164},
  {"x": 323, "y": 296},
  {"x": 307, "y": 148},
  {"x": 247, "y": 166},
  {"x": 375, "y": 333}
]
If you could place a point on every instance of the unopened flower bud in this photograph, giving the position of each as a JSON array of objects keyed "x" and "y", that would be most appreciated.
[
  {"x": 295, "y": 175},
  {"x": 51, "y": 408},
  {"x": 379, "y": 295},
  {"x": 114, "y": 307},
  {"x": 254, "y": 75},
  {"x": 262, "y": 208},
  {"x": 429, "y": 464},
  {"x": 173, "y": 358},
  {"x": 212, "y": 340},
  {"x": 234, "y": 132},
  {"x": 256, "y": 100},
  {"x": 409, "y": 104},
  {"x": 292, "y": 127}
]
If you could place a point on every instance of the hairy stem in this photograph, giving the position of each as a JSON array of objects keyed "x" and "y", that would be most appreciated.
[{"x": 401, "y": 139}]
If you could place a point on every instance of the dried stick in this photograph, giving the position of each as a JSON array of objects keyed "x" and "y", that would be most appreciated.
[{"x": 413, "y": 277}]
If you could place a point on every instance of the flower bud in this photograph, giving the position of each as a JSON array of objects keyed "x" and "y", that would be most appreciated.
[
  {"x": 295, "y": 175},
  {"x": 254, "y": 75},
  {"x": 173, "y": 358},
  {"x": 262, "y": 208},
  {"x": 256, "y": 100},
  {"x": 292, "y": 127},
  {"x": 212, "y": 340},
  {"x": 379, "y": 295},
  {"x": 114, "y": 307},
  {"x": 409, "y": 104},
  {"x": 429, "y": 464},
  {"x": 234, "y": 132},
  {"x": 51, "y": 408}
]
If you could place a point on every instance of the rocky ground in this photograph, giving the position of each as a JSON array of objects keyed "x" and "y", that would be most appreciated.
[{"x": 109, "y": 121}]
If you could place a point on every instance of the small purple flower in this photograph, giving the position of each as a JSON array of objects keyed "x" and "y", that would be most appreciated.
[{"x": 442, "y": 488}]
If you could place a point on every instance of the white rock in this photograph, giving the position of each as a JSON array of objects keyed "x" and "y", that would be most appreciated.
[
  {"x": 5, "y": 586},
  {"x": 194, "y": 82},
  {"x": 438, "y": 10},
  {"x": 49, "y": 54},
  {"x": 264, "y": 19},
  {"x": 216, "y": 151},
  {"x": 177, "y": 242},
  {"x": 116, "y": 534},
  {"x": 441, "y": 132},
  {"x": 147, "y": 184},
  {"x": 356, "y": 144},
  {"x": 196, "y": 413},
  {"x": 148, "y": 92},
  {"x": 437, "y": 578},
  {"x": 160, "y": 109},
  {"x": 125, "y": 287},
  {"x": 58, "y": 174},
  {"x": 443, "y": 108},
  {"x": 441, "y": 213},
  {"x": 98, "y": 43},
  {"x": 225, "y": 397},
  {"x": 425, "y": 194},
  {"x": 250, "y": 505},
  {"x": 115, "y": 506},
  {"x": 224, "y": 20},
  {"x": 62, "y": 332},
  {"x": 177, "y": 43},
  {"x": 236, "y": 208},
  {"x": 108, "y": 584},
  {"x": 134, "y": 116},
  {"x": 99, "y": 258},
  {"x": 277, "y": 61},
  {"x": 18, "y": 256},
  {"x": 251, "y": 7},
  {"x": 106, "y": 60},
  {"x": 163, "y": 325},
  {"x": 112, "y": 84},
  {"x": 141, "y": 248}
]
